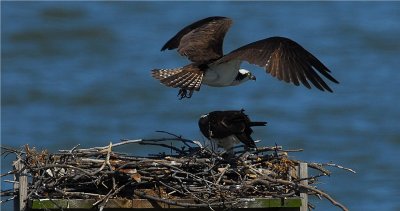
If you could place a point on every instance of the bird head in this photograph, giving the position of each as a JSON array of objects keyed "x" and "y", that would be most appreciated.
[
  {"x": 243, "y": 76},
  {"x": 247, "y": 74}
]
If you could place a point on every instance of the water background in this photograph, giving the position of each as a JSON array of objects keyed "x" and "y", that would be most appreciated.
[{"x": 78, "y": 73}]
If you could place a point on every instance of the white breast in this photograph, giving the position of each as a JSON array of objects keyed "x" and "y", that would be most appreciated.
[
  {"x": 228, "y": 142},
  {"x": 222, "y": 74}
]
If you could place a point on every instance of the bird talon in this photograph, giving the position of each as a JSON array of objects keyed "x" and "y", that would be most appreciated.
[{"x": 183, "y": 93}]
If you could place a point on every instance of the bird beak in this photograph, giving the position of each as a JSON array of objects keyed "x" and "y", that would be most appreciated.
[{"x": 252, "y": 77}]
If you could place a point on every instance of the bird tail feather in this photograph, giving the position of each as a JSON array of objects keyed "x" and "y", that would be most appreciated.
[
  {"x": 161, "y": 74},
  {"x": 258, "y": 124},
  {"x": 246, "y": 140},
  {"x": 179, "y": 78}
]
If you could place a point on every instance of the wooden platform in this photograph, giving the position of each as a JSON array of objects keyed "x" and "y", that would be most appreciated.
[{"x": 144, "y": 204}]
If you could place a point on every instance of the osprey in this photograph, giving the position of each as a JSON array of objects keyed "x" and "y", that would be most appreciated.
[
  {"x": 201, "y": 42},
  {"x": 227, "y": 128}
]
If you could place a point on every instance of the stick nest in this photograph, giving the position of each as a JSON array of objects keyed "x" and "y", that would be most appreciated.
[{"x": 190, "y": 171}]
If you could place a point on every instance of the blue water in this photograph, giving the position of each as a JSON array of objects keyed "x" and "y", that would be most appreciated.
[{"x": 78, "y": 73}]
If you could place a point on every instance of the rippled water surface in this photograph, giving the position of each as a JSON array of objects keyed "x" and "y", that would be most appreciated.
[{"x": 78, "y": 73}]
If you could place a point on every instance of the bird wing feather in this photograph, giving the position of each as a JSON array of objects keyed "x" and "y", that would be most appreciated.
[
  {"x": 221, "y": 124},
  {"x": 201, "y": 41},
  {"x": 284, "y": 59}
]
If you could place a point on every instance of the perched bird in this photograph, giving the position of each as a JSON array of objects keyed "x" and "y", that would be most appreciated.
[
  {"x": 227, "y": 128},
  {"x": 201, "y": 42}
]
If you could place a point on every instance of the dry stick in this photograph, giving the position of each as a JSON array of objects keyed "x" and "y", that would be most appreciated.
[
  {"x": 222, "y": 173},
  {"x": 106, "y": 160},
  {"x": 105, "y": 198},
  {"x": 165, "y": 145},
  {"x": 190, "y": 160},
  {"x": 168, "y": 186},
  {"x": 79, "y": 194},
  {"x": 110, "y": 194},
  {"x": 314, "y": 166},
  {"x": 285, "y": 182},
  {"x": 8, "y": 173},
  {"x": 276, "y": 148},
  {"x": 121, "y": 143},
  {"x": 171, "y": 202},
  {"x": 96, "y": 149},
  {"x": 187, "y": 191},
  {"x": 184, "y": 141},
  {"x": 36, "y": 185},
  {"x": 92, "y": 160},
  {"x": 130, "y": 141},
  {"x": 327, "y": 196},
  {"x": 10, "y": 150},
  {"x": 74, "y": 148},
  {"x": 64, "y": 166},
  {"x": 185, "y": 172},
  {"x": 339, "y": 166},
  {"x": 7, "y": 200},
  {"x": 309, "y": 178}
]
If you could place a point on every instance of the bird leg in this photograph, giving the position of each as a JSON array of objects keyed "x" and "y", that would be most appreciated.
[{"x": 183, "y": 93}]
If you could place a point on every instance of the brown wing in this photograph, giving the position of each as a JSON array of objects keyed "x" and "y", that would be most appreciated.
[
  {"x": 188, "y": 77},
  {"x": 201, "y": 41},
  {"x": 221, "y": 124},
  {"x": 285, "y": 59}
]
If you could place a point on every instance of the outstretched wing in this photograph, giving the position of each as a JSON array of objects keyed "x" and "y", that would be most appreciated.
[
  {"x": 201, "y": 41},
  {"x": 285, "y": 59}
]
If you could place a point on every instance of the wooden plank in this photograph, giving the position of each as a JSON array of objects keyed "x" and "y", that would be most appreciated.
[
  {"x": 88, "y": 203},
  {"x": 144, "y": 203},
  {"x": 303, "y": 173},
  {"x": 272, "y": 203},
  {"x": 21, "y": 185}
]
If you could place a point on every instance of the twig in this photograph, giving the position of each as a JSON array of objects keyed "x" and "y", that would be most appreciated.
[
  {"x": 190, "y": 172},
  {"x": 339, "y": 166},
  {"x": 222, "y": 173},
  {"x": 171, "y": 202}
]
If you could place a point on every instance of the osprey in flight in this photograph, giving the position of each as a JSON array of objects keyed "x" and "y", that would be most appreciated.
[
  {"x": 227, "y": 128},
  {"x": 201, "y": 42}
]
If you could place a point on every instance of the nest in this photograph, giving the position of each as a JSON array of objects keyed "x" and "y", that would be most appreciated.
[{"x": 187, "y": 172}]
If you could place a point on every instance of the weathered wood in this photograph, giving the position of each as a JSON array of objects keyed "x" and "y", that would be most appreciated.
[
  {"x": 303, "y": 173},
  {"x": 39, "y": 204},
  {"x": 21, "y": 185},
  {"x": 272, "y": 203}
]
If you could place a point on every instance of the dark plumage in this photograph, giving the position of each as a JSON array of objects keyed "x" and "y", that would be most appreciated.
[
  {"x": 202, "y": 41},
  {"x": 228, "y": 128}
]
